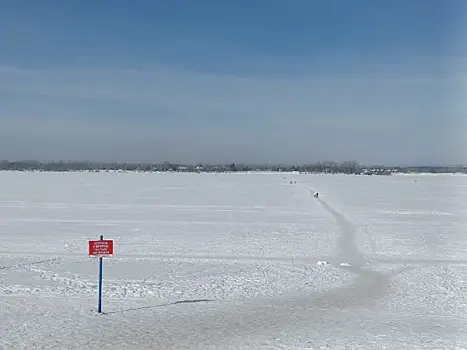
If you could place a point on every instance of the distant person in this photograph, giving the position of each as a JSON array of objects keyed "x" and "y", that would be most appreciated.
[{"x": 316, "y": 195}]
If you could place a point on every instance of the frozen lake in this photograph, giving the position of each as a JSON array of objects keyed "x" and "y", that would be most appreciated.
[{"x": 233, "y": 261}]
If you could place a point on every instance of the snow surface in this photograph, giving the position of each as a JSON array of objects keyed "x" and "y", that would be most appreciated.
[{"x": 207, "y": 261}]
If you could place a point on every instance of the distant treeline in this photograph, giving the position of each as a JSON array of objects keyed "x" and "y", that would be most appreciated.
[{"x": 330, "y": 167}]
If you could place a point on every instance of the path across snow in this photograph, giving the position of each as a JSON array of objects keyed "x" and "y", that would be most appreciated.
[{"x": 229, "y": 261}]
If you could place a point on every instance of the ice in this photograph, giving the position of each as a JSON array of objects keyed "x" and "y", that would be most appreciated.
[{"x": 233, "y": 261}]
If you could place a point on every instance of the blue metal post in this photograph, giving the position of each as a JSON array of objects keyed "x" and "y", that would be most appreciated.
[{"x": 99, "y": 302}]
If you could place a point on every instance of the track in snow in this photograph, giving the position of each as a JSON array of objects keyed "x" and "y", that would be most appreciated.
[
  {"x": 256, "y": 319},
  {"x": 369, "y": 283}
]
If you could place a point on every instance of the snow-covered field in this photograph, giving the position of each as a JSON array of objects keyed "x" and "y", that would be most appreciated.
[{"x": 234, "y": 261}]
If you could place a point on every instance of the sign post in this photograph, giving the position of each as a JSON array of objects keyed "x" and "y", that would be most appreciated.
[
  {"x": 100, "y": 249},
  {"x": 99, "y": 298}
]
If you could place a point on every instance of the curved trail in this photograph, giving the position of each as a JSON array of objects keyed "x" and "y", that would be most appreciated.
[
  {"x": 369, "y": 284},
  {"x": 231, "y": 323},
  {"x": 347, "y": 240}
]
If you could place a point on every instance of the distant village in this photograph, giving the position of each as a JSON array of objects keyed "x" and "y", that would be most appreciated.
[{"x": 326, "y": 167}]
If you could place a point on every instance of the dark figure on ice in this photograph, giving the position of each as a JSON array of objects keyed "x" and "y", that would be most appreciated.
[{"x": 316, "y": 195}]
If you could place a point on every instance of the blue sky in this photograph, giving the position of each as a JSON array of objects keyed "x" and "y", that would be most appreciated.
[{"x": 246, "y": 81}]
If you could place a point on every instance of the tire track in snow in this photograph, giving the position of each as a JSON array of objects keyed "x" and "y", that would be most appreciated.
[
  {"x": 369, "y": 284},
  {"x": 311, "y": 259},
  {"x": 25, "y": 265},
  {"x": 347, "y": 240}
]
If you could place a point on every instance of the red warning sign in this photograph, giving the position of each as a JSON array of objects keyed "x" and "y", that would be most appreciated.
[{"x": 101, "y": 248}]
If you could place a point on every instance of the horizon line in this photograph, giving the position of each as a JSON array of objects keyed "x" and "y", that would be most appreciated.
[{"x": 267, "y": 164}]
